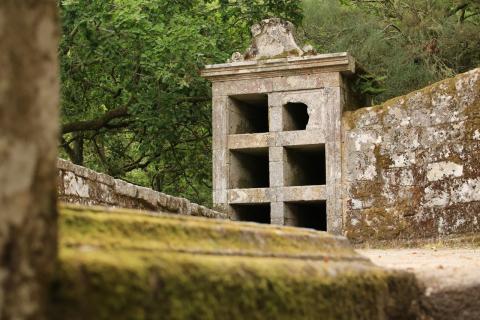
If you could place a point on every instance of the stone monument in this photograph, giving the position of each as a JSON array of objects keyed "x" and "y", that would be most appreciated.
[{"x": 277, "y": 130}]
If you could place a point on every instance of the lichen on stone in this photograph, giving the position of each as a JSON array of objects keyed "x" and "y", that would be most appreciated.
[{"x": 421, "y": 164}]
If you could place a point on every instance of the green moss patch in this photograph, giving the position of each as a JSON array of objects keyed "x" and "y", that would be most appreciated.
[
  {"x": 131, "y": 230},
  {"x": 126, "y": 265}
]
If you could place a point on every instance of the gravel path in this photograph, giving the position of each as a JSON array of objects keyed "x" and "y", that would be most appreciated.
[
  {"x": 437, "y": 268},
  {"x": 451, "y": 278}
]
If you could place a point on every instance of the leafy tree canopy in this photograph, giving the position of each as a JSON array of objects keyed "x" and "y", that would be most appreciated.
[
  {"x": 133, "y": 104},
  {"x": 406, "y": 43}
]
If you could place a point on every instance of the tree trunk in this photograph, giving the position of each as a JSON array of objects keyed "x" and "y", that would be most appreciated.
[
  {"x": 29, "y": 90},
  {"x": 78, "y": 148}
]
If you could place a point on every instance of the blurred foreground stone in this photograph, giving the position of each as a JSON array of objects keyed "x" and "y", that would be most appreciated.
[{"x": 125, "y": 264}]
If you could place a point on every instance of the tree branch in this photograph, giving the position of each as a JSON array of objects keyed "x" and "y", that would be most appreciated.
[
  {"x": 95, "y": 124},
  {"x": 66, "y": 146},
  {"x": 459, "y": 7},
  {"x": 120, "y": 112}
]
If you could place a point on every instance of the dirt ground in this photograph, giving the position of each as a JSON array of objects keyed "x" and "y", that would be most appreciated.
[
  {"x": 450, "y": 279},
  {"x": 438, "y": 269}
]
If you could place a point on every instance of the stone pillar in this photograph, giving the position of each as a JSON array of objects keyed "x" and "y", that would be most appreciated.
[
  {"x": 29, "y": 98},
  {"x": 277, "y": 131}
]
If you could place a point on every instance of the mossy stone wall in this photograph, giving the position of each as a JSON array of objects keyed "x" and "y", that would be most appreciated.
[{"x": 411, "y": 166}]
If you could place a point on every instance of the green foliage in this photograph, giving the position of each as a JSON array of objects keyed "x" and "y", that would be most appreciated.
[
  {"x": 369, "y": 84},
  {"x": 139, "y": 61},
  {"x": 135, "y": 107},
  {"x": 407, "y": 44}
]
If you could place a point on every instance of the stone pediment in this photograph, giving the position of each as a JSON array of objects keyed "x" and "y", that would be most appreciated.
[{"x": 272, "y": 38}]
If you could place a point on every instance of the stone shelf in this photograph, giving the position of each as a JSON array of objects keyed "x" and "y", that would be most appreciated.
[
  {"x": 280, "y": 194},
  {"x": 254, "y": 195},
  {"x": 303, "y": 193},
  {"x": 300, "y": 138},
  {"x": 250, "y": 141},
  {"x": 271, "y": 139}
]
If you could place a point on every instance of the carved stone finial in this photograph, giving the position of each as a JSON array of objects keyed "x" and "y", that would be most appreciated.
[
  {"x": 309, "y": 50},
  {"x": 236, "y": 57},
  {"x": 272, "y": 38}
]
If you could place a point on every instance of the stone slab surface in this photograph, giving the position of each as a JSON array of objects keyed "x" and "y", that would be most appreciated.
[
  {"x": 451, "y": 278},
  {"x": 125, "y": 264}
]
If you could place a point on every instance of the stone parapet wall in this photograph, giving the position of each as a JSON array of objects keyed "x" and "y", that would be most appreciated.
[
  {"x": 79, "y": 185},
  {"x": 411, "y": 166}
]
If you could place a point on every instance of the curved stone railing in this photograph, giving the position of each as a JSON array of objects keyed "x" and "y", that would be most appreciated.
[{"x": 79, "y": 185}]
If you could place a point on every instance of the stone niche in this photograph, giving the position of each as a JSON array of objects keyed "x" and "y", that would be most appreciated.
[{"x": 277, "y": 131}]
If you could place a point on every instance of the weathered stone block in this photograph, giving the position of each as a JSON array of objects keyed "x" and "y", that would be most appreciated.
[
  {"x": 125, "y": 189},
  {"x": 442, "y": 133},
  {"x": 277, "y": 213},
  {"x": 75, "y": 185},
  {"x": 361, "y": 167},
  {"x": 403, "y": 159},
  {"x": 220, "y": 196},
  {"x": 445, "y": 169},
  {"x": 257, "y": 195},
  {"x": 174, "y": 204},
  {"x": 276, "y": 154},
  {"x": 399, "y": 177},
  {"x": 276, "y": 174},
  {"x": 401, "y": 140},
  {"x": 149, "y": 196},
  {"x": 220, "y": 160},
  {"x": 274, "y": 115},
  {"x": 219, "y": 122},
  {"x": 238, "y": 87}
]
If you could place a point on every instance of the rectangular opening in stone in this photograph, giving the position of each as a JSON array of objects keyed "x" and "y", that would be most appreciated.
[
  {"x": 249, "y": 168},
  {"x": 305, "y": 165},
  {"x": 252, "y": 212},
  {"x": 248, "y": 113},
  {"x": 295, "y": 116},
  {"x": 306, "y": 214}
]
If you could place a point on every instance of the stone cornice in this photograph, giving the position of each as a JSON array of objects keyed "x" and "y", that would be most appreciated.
[{"x": 336, "y": 62}]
